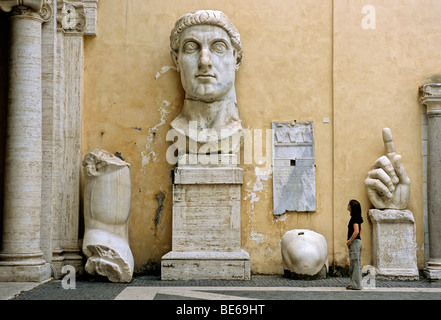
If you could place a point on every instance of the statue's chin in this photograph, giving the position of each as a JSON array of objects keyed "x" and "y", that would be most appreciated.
[{"x": 208, "y": 92}]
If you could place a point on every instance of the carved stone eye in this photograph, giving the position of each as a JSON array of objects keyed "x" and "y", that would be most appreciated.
[
  {"x": 219, "y": 47},
  {"x": 191, "y": 47}
]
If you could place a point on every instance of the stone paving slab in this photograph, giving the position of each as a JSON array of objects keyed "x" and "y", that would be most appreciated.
[
  {"x": 274, "y": 293},
  {"x": 259, "y": 287},
  {"x": 9, "y": 290},
  {"x": 263, "y": 297}
]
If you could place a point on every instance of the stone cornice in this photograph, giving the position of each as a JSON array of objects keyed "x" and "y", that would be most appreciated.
[
  {"x": 430, "y": 90},
  {"x": 430, "y": 95}
]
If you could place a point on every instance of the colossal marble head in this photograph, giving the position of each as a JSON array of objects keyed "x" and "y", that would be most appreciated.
[{"x": 207, "y": 51}]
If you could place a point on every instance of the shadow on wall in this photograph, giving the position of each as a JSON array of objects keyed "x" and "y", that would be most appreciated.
[{"x": 436, "y": 78}]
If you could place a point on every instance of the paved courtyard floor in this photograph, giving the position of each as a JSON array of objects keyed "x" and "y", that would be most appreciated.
[
  {"x": 263, "y": 297},
  {"x": 145, "y": 287}
]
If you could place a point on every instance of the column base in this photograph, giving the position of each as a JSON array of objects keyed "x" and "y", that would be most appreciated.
[
  {"x": 25, "y": 273},
  {"x": 73, "y": 258},
  {"x": 433, "y": 271},
  {"x": 57, "y": 262},
  {"x": 62, "y": 258},
  {"x": 206, "y": 266}
]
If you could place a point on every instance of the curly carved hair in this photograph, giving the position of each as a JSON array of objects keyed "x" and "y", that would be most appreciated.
[{"x": 206, "y": 17}]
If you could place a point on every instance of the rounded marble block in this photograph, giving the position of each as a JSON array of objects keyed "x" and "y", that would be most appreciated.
[
  {"x": 107, "y": 200},
  {"x": 304, "y": 254}
]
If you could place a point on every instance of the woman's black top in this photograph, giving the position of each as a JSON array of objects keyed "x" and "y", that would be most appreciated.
[{"x": 353, "y": 220}]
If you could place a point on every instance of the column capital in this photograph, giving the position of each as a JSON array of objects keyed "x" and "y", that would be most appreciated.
[
  {"x": 430, "y": 95},
  {"x": 39, "y": 9},
  {"x": 7, "y": 5}
]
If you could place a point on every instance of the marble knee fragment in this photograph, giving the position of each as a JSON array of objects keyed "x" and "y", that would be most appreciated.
[
  {"x": 107, "y": 200},
  {"x": 304, "y": 254}
]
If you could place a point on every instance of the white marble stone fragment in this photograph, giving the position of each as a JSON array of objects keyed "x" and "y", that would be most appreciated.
[
  {"x": 107, "y": 199},
  {"x": 304, "y": 254}
]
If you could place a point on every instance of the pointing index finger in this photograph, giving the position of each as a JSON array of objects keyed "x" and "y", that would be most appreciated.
[{"x": 389, "y": 143}]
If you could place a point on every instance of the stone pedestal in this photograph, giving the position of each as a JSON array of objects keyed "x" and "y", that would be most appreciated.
[
  {"x": 431, "y": 97},
  {"x": 206, "y": 223},
  {"x": 393, "y": 244}
]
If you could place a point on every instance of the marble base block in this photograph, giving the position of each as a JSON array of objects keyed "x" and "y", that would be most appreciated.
[
  {"x": 206, "y": 266},
  {"x": 393, "y": 244},
  {"x": 206, "y": 224}
]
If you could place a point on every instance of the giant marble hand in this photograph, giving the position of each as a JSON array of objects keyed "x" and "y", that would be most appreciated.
[{"x": 387, "y": 184}]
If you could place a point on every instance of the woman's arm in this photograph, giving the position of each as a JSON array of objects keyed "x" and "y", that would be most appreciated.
[{"x": 354, "y": 234}]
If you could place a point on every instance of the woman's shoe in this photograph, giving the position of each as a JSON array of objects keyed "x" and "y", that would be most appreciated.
[{"x": 350, "y": 288}]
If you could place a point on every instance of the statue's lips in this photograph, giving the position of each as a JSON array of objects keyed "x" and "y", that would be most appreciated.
[{"x": 205, "y": 76}]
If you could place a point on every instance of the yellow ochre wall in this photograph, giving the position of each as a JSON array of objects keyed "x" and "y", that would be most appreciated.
[{"x": 304, "y": 60}]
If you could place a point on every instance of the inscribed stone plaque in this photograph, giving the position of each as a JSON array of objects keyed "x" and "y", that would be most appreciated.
[{"x": 293, "y": 166}]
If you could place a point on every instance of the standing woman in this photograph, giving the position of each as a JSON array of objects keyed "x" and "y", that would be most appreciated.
[{"x": 354, "y": 245}]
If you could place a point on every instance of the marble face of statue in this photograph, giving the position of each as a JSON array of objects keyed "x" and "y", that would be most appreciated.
[
  {"x": 206, "y": 62},
  {"x": 207, "y": 51}
]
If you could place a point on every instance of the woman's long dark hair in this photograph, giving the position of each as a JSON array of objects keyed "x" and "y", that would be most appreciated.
[{"x": 355, "y": 209}]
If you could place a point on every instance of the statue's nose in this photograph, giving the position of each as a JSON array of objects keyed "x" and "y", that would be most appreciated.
[{"x": 205, "y": 59}]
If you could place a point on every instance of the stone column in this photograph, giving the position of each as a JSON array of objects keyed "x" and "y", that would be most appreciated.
[
  {"x": 58, "y": 166},
  {"x": 50, "y": 175},
  {"x": 72, "y": 20},
  {"x": 430, "y": 95},
  {"x": 21, "y": 256}
]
